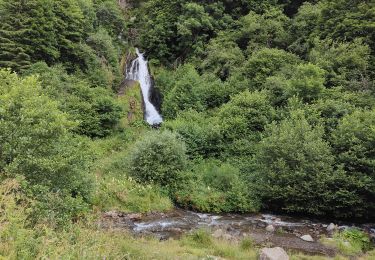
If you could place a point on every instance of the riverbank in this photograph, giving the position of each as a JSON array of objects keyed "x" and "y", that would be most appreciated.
[{"x": 262, "y": 229}]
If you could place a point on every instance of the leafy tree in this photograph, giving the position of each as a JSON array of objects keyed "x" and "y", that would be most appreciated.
[
  {"x": 36, "y": 142},
  {"x": 223, "y": 57},
  {"x": 201, "y": 133},
  {"x": 193, "y": 27},
  {"x": 347, "y": 63},
  {"x": 354, "y": 143},
  {"x": 157, "y": 158},
  {"x": 110, "y": 17},
  {"x": 346, "y": 21},
  {"x": 93, "y": 109},
  {"x": 106, "y": 57},
  {"x": 295, "y": 167},
  {"x": 269, "y": 29},
  {"x": 303, "y": 27},
  {"x": 243, "y": 119},
  {"x": 264, "y": 63},
  {"x": 303, "y": 80},
  {"x": 186, "y": 93}
]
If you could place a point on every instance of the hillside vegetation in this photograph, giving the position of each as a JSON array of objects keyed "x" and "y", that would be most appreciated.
[{"x": 267, "y": 105}]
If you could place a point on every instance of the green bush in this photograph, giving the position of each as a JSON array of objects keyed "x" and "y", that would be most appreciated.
[
  {"x": 350, "y": 242},
  {"x": 37, "y": 144},
  {"x": 200, "y": 132},
  {"x": 354, "y": 146},
  {"x": 265, "y": 63},
  {"x": 295, "y": 167},
  {"x": 214, "y": 187},
  {"x": 157, "y": 157},
  {"x": 93, "y": 108}
]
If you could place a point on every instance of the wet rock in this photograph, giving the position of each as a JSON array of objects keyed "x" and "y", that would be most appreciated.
[
  {"x": 331, "y": 227},
  {"x": 307, "y": 238},
  {"x": 276, "y": 253},
  {"x": 218, "y": 233},
  {"x": 270, "y": 228}
]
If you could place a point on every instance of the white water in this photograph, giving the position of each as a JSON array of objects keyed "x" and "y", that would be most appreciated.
[{"x": 139, "y": 71}]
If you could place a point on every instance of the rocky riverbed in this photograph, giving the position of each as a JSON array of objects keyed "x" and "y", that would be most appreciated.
[{"x": 264, "y": 229}]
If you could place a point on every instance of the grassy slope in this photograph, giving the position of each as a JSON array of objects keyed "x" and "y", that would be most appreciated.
[{"x": 115, "y": 190}]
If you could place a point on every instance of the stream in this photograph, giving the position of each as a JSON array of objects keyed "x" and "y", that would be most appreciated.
[{"x": 234, "y": 227}]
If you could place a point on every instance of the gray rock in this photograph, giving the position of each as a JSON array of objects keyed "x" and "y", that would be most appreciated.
[
  {"x": 307, "y": 238},
  {"x": 218, "y": 233},
  {"x": 331, "y": 227},
  {"x": 270, "y": 228},
  {"x": 276, "y": 253}
]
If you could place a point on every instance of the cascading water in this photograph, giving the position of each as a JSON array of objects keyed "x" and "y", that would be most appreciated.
[{"x": 139, "y": 71}]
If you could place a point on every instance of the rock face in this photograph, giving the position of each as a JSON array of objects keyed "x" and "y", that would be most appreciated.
[
  {"x": 307, "y": 238},
  {"x": 270, "y": 228},
  {"x": 276, "y": 253}
]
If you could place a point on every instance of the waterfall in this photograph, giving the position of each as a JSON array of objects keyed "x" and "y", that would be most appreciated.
[{"x": 139, "y": 71}]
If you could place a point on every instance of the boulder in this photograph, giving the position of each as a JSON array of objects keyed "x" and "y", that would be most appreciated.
[
  {"x": 218, "y": 233},
  {"x": 307, "y": 238},
  {"x": 276, "y": 253},
  {"x": 270, "y": 228},
  {"x": 331, "y": 227}
]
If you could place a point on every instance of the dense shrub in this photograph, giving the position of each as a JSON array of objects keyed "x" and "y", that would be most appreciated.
[
  {"x": 201, "y": 133},
  {"x": 94, "y": 108},
  {"x": 354, "y": 147},
  {"x": 303, "y": 80},
  {"x": 243, "y": 119},
  {"x": 295, "y": 167},
  {"x": 187, "y": 92},
  {"x": 36, "y": 142},
  {"x": 214, "y": 187},
  {"x": 157, "y": 158},
  {"x": 265, "y": 63}
]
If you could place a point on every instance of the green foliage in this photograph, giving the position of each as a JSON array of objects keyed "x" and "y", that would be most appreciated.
[
  {"x": 243, "y": 119},
  {"x": 214, "y": 187},
  {"x": 303, "y": 80},
  {"x": 265, "y": 63},
  {"x": 157, "y": 158},
  {"x": 201, "y": 133},
  {"x": 350, "y": 242},
  {"x": 295, "y": 167},
  {"x": 269, "y": 29},
  {"x": 36, "y": 142},
  {"x": 223, "y": 57},
  {"x": 104, "y": 48},
  {"x": 353, "y": 143},
  {"x": 56, "y": 31},
  {"x": 347, "y": 63},
  {"x": 110, "y": 16},
  {"x": 186, "y": 93},
  {"x": 94, "y": 109}
]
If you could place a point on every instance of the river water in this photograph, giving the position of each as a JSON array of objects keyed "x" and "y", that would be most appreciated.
[{"x": 288, "y": 230}]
